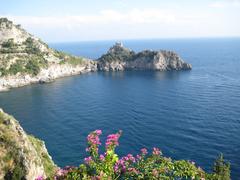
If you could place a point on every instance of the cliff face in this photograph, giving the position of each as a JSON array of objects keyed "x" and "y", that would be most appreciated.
[
  {"x": 25, "y": 59},
  {"x": 119, "y": 58},
  {"x": 21, "y": 156}
]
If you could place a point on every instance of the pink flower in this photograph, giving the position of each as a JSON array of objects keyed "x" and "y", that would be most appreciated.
[
  {"x": 93, "y": 139},
  {"x": 156, "y": 151},
  {"x": 101, "y": 157},
  {"x": 98, "y": 132},
  {"x": 133, "y": 170},
  {"x": 131, "y": 158},
  {"x": 116, "y": 168},
  {"x": 144, "y": 151},
  {"x": 138, "y": 157},
  {"x": 112, "y": 140},
  {"x": 88, "y": 160},
  {"x": 40, "y": 178},
  {"x": 61, "y": 172}
]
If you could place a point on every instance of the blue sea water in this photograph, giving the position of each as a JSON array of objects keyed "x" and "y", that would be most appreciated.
[{"x": 192, "y": 115}]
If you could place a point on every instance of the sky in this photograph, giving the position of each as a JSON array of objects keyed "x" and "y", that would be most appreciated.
[{"x": 81, "y": 20}]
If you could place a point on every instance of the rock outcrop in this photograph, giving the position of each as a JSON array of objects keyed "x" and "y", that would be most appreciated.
[
  {"x": 119, "y": 58},
  {"x": 22, "y": 156}
]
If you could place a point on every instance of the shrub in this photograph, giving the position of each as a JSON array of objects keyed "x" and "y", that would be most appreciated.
[
  {"x": 221, "y": 168},
  {"x": 8, "y": 44},
  {"x": 15, "y": 68},
  {"x": 31, "y": 47},
  {"x": 32, "y": 67},
  {"x": 3, "y": 72},
  {"x": 145, "y": 165}
]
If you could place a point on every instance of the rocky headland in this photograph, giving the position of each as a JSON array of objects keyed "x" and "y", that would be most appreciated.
[
  {"x": 119, "y": 58},
  {"x": 25, "y": 59}
]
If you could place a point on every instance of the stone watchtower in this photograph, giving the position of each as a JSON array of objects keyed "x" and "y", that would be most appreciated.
[{"x": 119, "y": 44}]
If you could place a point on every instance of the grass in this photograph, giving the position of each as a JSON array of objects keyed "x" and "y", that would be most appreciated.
[
  {"x": 11, "y": 163},
  {"x": 48, "y": 164},
  {"x": 12, "y": 154},
  {"x": 67, "y": 58}
]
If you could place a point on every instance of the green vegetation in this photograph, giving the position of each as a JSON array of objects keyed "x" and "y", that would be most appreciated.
[
  {"x": 145, "y": 165},
  {"x": 13, "y": 156},
  {"x": 31, "y": 65},
  {"x": 31, "y": 47},
  {"x": 117, "y": 53},
  {"x": 221, "y": 168},
  {"x": 48, "y": 164},
  {"x": 11, "y": 163},
  {"x": 3, "y": 72},
  {"x": 8, "y": 44},
  {"x": 16, "y": 67},
  {"x": 120, "y": 54},
  {"x": 74, "y": 60},
  {"x": 67, "y": 58}
]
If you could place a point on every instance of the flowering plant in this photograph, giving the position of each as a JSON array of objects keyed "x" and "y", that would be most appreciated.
[{"x": 145, "y": 165}]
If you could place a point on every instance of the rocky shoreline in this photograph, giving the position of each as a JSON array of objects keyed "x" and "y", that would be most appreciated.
[
  {"x": 49, "y": 74},
  {"x": 121, "y": 59}
]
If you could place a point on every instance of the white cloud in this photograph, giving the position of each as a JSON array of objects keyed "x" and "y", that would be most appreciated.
[
  {"x": 132, "y": 23},
  {"x": 104, "y": 16},
  {"x": 225, "y": 4}
]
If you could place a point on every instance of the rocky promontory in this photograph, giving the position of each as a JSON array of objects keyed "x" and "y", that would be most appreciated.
[
  {"x": 22, "y": 156},
  {"x": 119, "y": 58},
  {"x": 25, "y": 59}
]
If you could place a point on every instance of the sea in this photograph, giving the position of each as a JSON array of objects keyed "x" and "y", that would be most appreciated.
[{"x": 192, "y": 115}]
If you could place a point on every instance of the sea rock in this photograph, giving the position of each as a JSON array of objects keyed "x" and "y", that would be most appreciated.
[
  {"x": 22, "y": 156},
  {"x": 119, "y": 58}
]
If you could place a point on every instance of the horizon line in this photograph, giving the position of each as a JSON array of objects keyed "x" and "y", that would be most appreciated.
[{"x": 147, "y": 39}]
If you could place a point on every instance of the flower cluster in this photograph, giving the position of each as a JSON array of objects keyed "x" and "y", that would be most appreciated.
[
  {"x": 88, "y": 160},
  {"x": 112, "y": 140},
  {"x": 40, "y": 178},
  {"x": 144, "y": 151},
  {"x": 122, "y": 164},
  {"x": 63, "y": 173},
  {"x": 156, "y": 151},
  {"x": 128, "y": 163},
  {"x": 93, "y": 143},
  {"x": 142, "y": 166}
]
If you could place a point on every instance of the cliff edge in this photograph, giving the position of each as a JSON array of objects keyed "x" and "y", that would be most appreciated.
[{"x": 22, "y": 156}]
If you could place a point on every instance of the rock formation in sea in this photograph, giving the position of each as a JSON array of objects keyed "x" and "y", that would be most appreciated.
[
  {"x": 119, "y": 58},
  {"x": 22, "y": 156}
]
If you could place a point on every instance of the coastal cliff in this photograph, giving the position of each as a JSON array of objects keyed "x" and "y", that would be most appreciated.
[
  {"x": 119, "y": 58},
  {"x": 22, "y": 156},
  {"x": 25, "y": 59}
]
